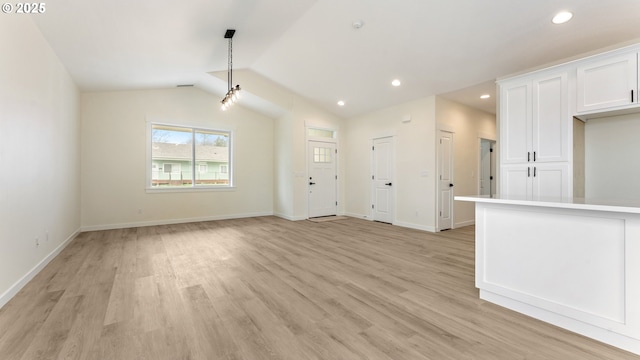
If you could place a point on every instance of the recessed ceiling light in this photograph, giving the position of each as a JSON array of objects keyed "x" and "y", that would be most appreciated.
[
  {"x": 396, "y": 82},
  {"x": 340, "y": 103},
  {"x": 562, "y": 17},
  {"x": 485, "y": 96}
]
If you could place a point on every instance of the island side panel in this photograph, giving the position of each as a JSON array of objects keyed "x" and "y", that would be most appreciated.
[{"x": 577, "y": 269}]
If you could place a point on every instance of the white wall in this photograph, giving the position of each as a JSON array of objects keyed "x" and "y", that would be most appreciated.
[
  {"x": 39, "y": 154},
  {"x": 114, "y": 159},
  {"x": 291, "y": 193},
  {"x": 612, "y": 150},
  {"x": 415, "y": 153},
  {"x": 468, "y": 125}
]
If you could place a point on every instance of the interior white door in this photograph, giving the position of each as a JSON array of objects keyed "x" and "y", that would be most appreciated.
[
  {"x": 323, "y": 183},
  {"x": 445, "y": 180},
  {"x": 383, "y": 176}
]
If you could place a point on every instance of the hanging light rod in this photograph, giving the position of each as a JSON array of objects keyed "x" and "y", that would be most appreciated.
[{"x": 233, "y": 92}]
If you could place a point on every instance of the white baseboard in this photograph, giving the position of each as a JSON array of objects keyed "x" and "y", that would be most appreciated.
[
  {"x": 359, "y": 216},
  {"x": 15, "y": 288},
  {"x": 171, "y": 221},
  {"x": 416, "y": 226},
  {"x": 290, "y": 218},
  {"x": 464, "y": 223}
]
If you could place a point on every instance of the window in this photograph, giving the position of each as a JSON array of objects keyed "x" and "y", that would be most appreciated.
[
  {"x": 169, "y": 168},
  {"x": 321, "y": 155},
  {"x": 321, "y": 133},
  {"x": 183, "y": 157}
]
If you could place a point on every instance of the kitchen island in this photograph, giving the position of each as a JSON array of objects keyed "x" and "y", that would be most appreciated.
[{"x": 574, "y": 263}]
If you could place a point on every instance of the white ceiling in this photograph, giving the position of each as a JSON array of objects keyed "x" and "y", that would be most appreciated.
[{"x": 311, "y": 48}]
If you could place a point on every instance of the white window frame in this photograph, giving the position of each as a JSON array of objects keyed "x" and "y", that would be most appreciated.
[{"x": 193, "y": 187}]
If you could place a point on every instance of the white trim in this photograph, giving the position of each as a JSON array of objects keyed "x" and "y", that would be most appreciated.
[
  {"x": 359, "y": 216},
  {"x": 415, "y": 226},
  {"x": 290, "y": 218},
  {"x": 172, "y": 221},
  {"x": 197, "y": 188},
  {"x": 606, "y": 336},
  {"x": 464, "y": 223},
  {"x": 18, "y": 285}
]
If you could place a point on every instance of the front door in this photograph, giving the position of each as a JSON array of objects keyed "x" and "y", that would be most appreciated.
[
  {"x": 323, "y": 183},
  {"x": 382, "y": 179},
  {"x": 445, "y": 180}
]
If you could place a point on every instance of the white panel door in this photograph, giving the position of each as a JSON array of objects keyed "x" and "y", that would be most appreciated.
[
  {"x": 323, "y": 181},
  {"x": 445, "y": 180},
  {"x": 382, "y": 179},
  {"x": 608, "y": 83}
]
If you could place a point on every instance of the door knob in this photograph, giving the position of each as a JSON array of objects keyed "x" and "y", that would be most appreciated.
[
  {"x": 388, "y": 184},
  {"x": 450, "y": 185},
  {"x": 312, "y": 183}
]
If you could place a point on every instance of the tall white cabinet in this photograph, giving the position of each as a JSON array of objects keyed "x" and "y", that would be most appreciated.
[{"x": 535, "y": 135}]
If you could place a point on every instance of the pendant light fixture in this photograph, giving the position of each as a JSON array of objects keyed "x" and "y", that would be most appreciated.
[{"x": 233, "y": 92}]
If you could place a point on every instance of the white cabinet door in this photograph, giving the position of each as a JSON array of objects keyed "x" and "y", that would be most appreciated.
[
  {"x": 550, "y": 180},
  {"x": 534, "y": 120},
  {"x": 536, "y": 180},
  {"x": 516, "y": 181},
  {"x": 607, "y": 83},
  {"x": 515, "y": 122},
  {"x": 550, "y": 119}
]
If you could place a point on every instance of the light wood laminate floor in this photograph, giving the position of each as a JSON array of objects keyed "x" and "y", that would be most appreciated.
[{"x": 268, "y": 288}]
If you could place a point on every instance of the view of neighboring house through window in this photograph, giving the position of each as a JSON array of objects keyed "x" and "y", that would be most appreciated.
[{"x": 189, "y": 157}]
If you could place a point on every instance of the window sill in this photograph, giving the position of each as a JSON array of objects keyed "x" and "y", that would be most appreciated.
[{"x": 189, "y": 189}]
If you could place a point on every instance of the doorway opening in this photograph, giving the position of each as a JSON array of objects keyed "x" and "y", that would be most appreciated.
[{"x": 487, "y": 173}]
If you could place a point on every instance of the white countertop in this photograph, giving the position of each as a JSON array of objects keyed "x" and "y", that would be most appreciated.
[{"x": 626, "y": 206}]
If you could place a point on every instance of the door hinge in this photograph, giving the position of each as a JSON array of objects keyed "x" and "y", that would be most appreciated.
[
  {"x": 336, "y": 177},
  {"x": 372, "y": 177},
  {"x": 336, "y": 151},
  {"x": 440, "y": 141},
  {"x": 373, "y": 148},
  {"x": 336, "y": 203},
  {"x": 372, "y": 206},
  {"x": 490, "y": 150},
  {"x": 440, "y": 213}
]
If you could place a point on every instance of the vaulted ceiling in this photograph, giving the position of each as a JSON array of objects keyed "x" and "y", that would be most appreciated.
[{"x": 310, "y": 47}]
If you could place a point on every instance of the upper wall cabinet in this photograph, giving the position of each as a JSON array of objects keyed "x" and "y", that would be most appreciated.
[
  {"x": 607, "y": 83},
  {"x": 534, "y": 119}
]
